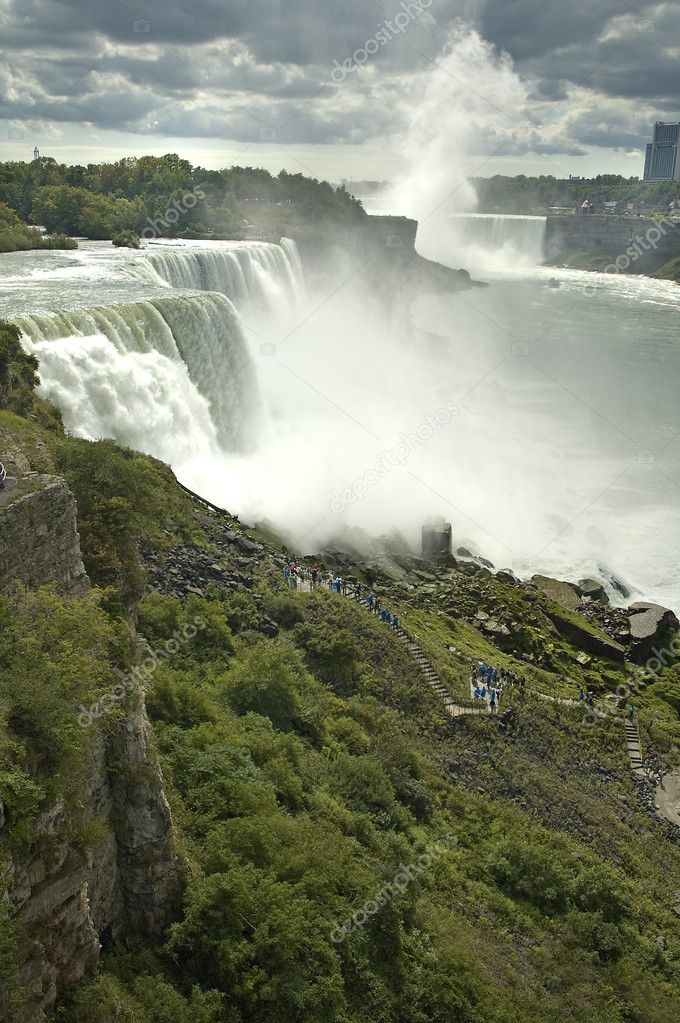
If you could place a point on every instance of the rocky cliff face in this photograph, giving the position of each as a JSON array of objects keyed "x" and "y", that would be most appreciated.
[
  {"x": 101, "y": 862},
  {"x": 381, "y": 252},
  {"x": 39, "y": 541},
  {"x": 99, "y": 867},
  {"x": 641, "y": 246}
]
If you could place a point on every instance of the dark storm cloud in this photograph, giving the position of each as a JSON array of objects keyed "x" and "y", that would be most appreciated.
[
  {"x": 304, "y": 32},
  {"x": 228, "y": 68},
  {"x": 533, "y": 29}
]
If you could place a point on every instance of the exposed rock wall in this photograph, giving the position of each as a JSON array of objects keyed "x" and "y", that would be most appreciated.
[
  {"x": 646, "y": 244},
  {"x": 380, "y": 252},
  {"x": 101, "y": 863},
  {"x": 39, "y": 541}
]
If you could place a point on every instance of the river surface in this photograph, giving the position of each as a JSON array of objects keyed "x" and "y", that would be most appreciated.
[{"x": 554, "y": 436}]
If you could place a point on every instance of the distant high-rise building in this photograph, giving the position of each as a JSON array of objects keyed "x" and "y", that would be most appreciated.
[{"x": 662, "y": 161}]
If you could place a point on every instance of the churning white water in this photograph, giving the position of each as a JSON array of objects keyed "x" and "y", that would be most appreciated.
[
  {"x": 144, "y": 399},
  {"x": 486, "y": 240},
  {"x": 542, "y": 421},
  {"x": 200, "y": 335}
]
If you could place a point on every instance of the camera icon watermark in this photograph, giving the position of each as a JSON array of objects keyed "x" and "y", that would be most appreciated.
[
  {"x": 521, "y": 348},
  {"x": 589, "y": 291},
  {"x": 141, "y": 25},
  {"x": 394, "y": 241},
  {"x": 646, "y": 25},
  {"x": 525, "y": 132},
  {"x": 267, "y": 134},
  {"x": 646, "y": 457},
  {"x": 268, "y": 349}
]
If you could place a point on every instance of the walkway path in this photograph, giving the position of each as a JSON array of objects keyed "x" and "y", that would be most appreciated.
[
  {"x": 668, "y": 796},
  {"x": 434, "y": 680}
]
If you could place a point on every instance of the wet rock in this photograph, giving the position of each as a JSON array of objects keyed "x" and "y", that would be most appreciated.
[
  {"x": 496, "y": 628},
  {"x": 566, "y": 594},
  {"x": 583, "y": 638},
  {"x": 594, "y": 589},
  {"x": 651, "y": 626},
  {"x": 248, "y": 545}
]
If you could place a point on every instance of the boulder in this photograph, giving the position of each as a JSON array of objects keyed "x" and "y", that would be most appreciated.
[
  {"x": 566, "y": 594},
  {"x": 651, "y": 626},
  {"x": 468, "y": 554},
  {"x": 594, "y": 589},
  {"x": 581, "y": 635}
]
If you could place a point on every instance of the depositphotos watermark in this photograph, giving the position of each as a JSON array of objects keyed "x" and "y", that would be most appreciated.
[
  {"x": 409, "y": 12},
  {"x": 140, "y": 675},
  {"x": 179, "y": 208},
  {"x": 387, "y": 461},
  {"x": 397, "y": 886},
  {"x": 641, "y": 244},
  {"x": 650, "y": 673}
]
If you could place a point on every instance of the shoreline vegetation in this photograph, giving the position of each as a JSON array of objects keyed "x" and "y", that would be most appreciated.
[
  {"x": 16, "y": 236},
  {"x": 168, "y": 197}
]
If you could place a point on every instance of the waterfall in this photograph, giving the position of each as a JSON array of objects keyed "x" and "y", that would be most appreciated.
[
  {"x": 255, "y": 274},
  {"x": 495, "y": 240},
  {"x": 195, "y": 342},
  {"x": 144, "y": 400}
]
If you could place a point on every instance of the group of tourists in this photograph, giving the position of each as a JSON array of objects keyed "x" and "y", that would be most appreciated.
[
  {"x": 487, "y": 684},
  {"x": 311, "y": 578},
  {"x": 295, "y": 575},
  {"x": 383, "y": 613}
]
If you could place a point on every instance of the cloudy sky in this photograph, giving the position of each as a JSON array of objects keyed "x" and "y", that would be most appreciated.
[{"x": 329, "y": 87}]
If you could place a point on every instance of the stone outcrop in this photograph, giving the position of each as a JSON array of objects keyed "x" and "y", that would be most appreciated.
[
  {"x": 582, "y": 637},
  {"x": 644, "y": 244},
  {"x": 651, "y": 626},
  {"x": 101, "y": 863},
  {"x": 72, "y": 893},
  {"x": 381, "y": 251},
  {"x": 39, "y": 541},
  {"x": 566, "y": 594},
  {"x": 593, "y": 589}
]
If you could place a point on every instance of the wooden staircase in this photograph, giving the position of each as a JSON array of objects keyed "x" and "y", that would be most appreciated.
[
  {"x": 634, "y": 744},
  {"x": 435, "y": 681}
]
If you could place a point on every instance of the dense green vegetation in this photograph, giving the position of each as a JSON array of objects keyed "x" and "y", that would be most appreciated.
[
  {"x": 15, "y": 235},
  {"x": 304, "y": 777},
  {"x": 522, "y": 194},
  {"x": 311, "y": 775},
  {"x": 166, "y": 196}
]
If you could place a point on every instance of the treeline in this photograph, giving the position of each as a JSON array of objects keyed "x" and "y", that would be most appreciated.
[
  {"x": 521, "y": 194},
  {"x": 16, "y": 236},
  {"x": 135, "y": 196}
]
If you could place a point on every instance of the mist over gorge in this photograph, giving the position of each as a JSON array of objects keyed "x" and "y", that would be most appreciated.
[{"x": 272, "y": 398}]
